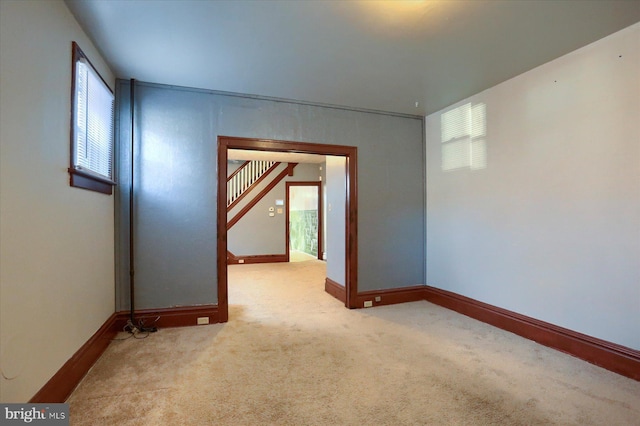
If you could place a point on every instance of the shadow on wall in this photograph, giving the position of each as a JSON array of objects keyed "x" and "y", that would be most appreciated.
[
  {"x": 463, "y": 137},
  {"x": 303, "y": 219}
]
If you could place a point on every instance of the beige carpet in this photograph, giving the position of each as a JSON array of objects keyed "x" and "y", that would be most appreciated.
[
  {"x": 292, "y": 355},
  {"x": 299, "y": 256}
]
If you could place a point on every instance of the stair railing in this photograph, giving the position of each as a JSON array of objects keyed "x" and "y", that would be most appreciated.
[{"x": 245, "y": 176}]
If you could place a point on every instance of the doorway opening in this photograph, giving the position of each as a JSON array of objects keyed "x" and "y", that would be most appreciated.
[
  {"x": 304, "y": 221},
  {"x": 349, "y": 154}
]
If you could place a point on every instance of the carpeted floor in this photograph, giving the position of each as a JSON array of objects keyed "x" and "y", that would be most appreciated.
[
  {"x": 298, "y": 256},
  {"x": 292, "y": 355}
]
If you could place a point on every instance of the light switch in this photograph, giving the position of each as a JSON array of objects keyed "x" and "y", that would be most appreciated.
[{"x": 272, "y": 214}]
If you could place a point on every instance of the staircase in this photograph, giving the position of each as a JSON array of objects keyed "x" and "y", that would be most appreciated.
[
  {"x": 246, "y": 175},
  {"x": 246, "y": 178},
  {"x": 245, "y": 181}
]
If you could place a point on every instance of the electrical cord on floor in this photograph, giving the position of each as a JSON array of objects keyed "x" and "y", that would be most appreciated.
[
  {"x": 151, "y": 329},
  {"x": 139, "y": 330},
  {"x": 126, "y": 329}
]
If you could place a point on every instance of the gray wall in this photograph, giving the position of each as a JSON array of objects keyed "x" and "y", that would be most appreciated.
[
  {"x": 336, "y": 190},
  {"x": 551, "y": 227},
  {"x": 175, "y": 212},
  {"x": 257, "y": 232},
  {"x": 323, "y": 176}
]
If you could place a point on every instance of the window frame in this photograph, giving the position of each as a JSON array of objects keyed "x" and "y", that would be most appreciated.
[{"x": 81, "y": 178}]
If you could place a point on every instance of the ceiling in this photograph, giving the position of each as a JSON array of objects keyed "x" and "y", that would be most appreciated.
[{"x": 378, "y": 55}]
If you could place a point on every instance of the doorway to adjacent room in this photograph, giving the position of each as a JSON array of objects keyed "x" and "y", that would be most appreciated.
[
  {"x": 304, "y": 221},
  {"x": 349, "y": 259}
]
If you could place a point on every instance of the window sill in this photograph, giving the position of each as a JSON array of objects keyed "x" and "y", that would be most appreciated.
[{"x": 84, "y": 180}]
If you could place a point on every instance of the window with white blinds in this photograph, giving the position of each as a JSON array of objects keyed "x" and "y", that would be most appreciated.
[{"x": 92, "y": 132}]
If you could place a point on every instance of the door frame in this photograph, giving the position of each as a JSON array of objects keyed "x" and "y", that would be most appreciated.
[
  {"x": 317, "y": 184},
  {"x": 351, "y": 220}
]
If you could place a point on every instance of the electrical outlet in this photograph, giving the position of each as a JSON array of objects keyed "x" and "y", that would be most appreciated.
[
  {"x": 241, "y": 261},
  {"x": 203, "y": 320},
  {"x": 368, "y": 303},
  {"x": 378, "y": 298}
]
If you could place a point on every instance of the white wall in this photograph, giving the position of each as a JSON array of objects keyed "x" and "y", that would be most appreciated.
[
  {"x": 336, "y": 192},
  {"x": 323, "y": 176},
  {"x": 551, "y": 227},
  {"x": 56, "y": 242}
]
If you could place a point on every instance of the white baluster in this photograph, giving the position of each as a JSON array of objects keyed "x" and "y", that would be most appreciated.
[
  {"x": 245, "y": 177},
  {"x": 235, "y": 188}
]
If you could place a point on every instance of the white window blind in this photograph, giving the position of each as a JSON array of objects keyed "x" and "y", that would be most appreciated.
[{"x": 94, "y": 122}]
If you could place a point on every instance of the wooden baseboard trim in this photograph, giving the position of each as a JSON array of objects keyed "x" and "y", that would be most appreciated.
[
  {"x": 62, "y": 384},
  {"x": 181, "y": 316},
  {"x": 258, "y": 258},
  {"x": 336, "y": 290},
  {"x": 391, "y": 296},
  {"x": 613, "y": 357}
]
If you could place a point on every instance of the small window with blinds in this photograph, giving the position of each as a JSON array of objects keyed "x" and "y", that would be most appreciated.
[{"x": 92, "y": 104}]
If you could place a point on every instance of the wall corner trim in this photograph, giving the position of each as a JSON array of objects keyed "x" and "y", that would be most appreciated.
[
  {"x": 65, "y": 380},
  {"x": 336, "y": 290},
  {"x": 390, "y": 296},
  {"x": 179, "y": 316},
  {"x": 232, "y": 259},
  {"x": 611, "y": 356}
]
